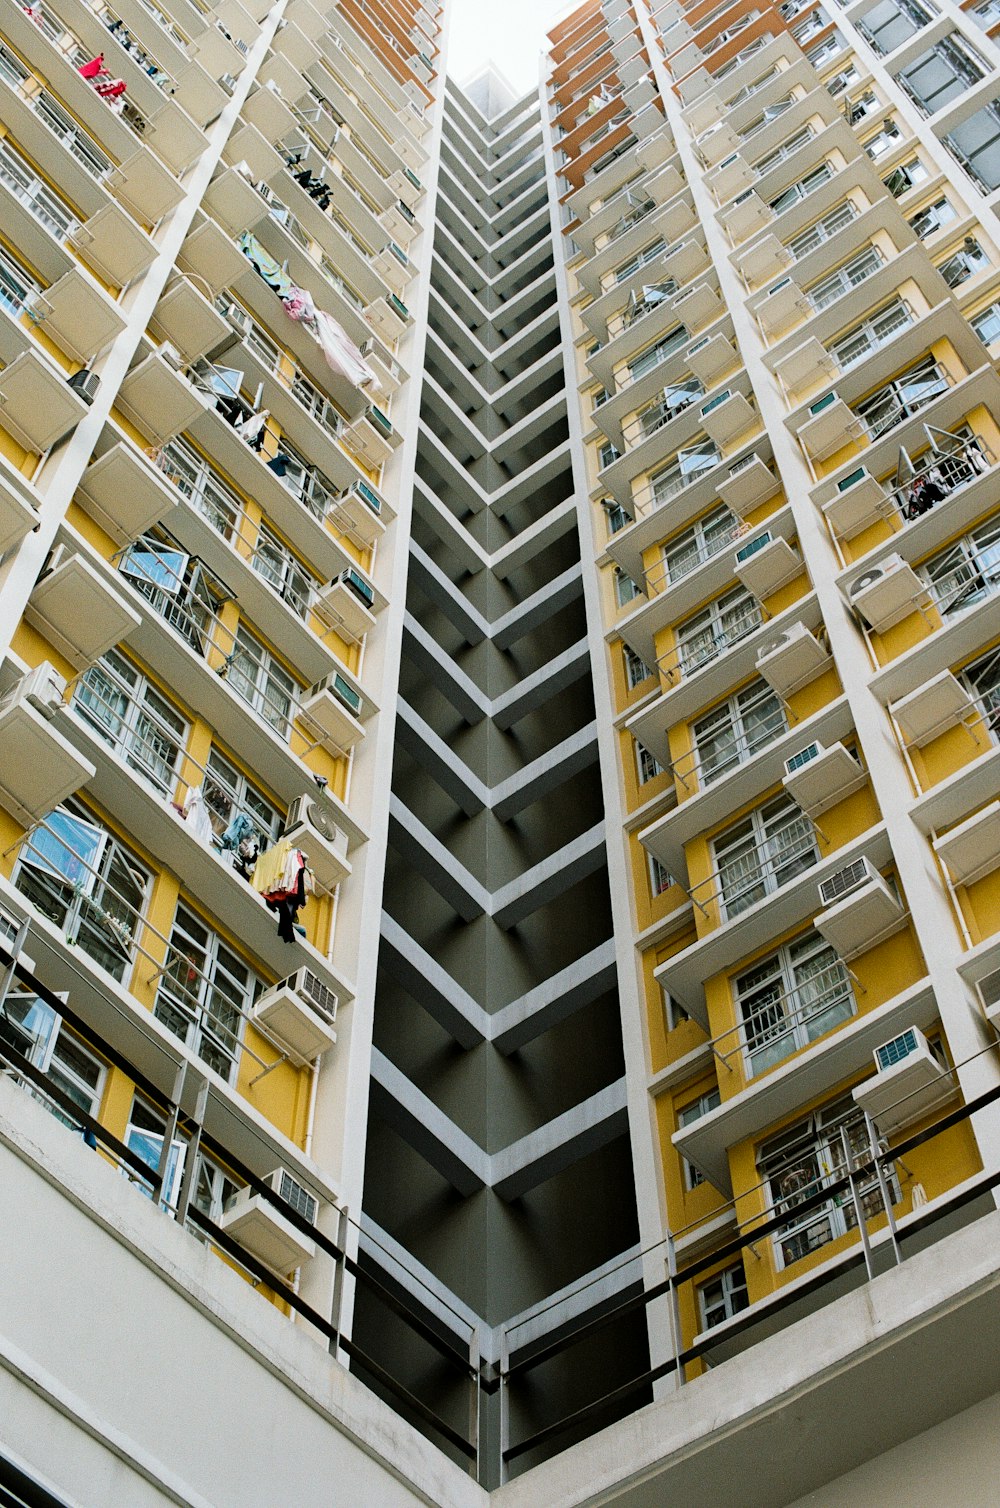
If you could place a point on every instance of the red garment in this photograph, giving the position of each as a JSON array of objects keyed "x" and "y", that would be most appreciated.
[
  {"x": 94, "y": 68},
  {"x": 112, "y": 89}
]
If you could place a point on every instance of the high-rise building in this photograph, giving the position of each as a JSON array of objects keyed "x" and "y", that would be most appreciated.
[{"x": 499, "y": 791}]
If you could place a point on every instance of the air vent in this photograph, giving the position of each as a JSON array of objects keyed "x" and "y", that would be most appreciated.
[
  {"x": 751, "y": 548},
  {"x": 844, "y": 881},
  {"x": 803, "y": 757}
]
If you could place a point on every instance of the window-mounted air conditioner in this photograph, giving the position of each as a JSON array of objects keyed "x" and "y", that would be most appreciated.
[
  {"x": 753, "y": 545},
  {"x": 908, "y": 1082},
  {"x": 989, "y": 994},
  {"x": 170, "y": 355},
  {"x": 346, "y": 695},
  {"x": 312, "y": 828},
  {"x": 299, "y": 1015},
  {"x": 265, "y": 1231},
  {"x": 43, "y": 688},
  {"x": 898, "y": 1048},
  {"x": 803, "y": 757},
  {"x": 843, "y": 882},
  {"x": 358, "y": 585}
]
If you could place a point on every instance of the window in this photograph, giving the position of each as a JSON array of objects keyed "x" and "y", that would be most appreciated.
[
  {"x": 870, "y": 335},
  {"x": 38, "y": 1033},
  {"x": 204, "y": 993},
  {"x": 904, "y": 396},
  {"x": 626, "y": 589},
  {"x": 648, "y": 254},
  {"x": 723, "y": 1296},
  {"x": 194, "y": 478},
  {"x": 964, "y": 263},
  {"x": 701, "y": 542},
  {"x": 843, "y": 80},
  {"x": 275, "y": 562},
  {"x": 976, "y": 145},
  {"x": 983, "y": 681},
  {"x": 86, "y": 882},
  {"x": 830, "y": 224},
  {"x": 943, "y": 73},
  {"x": 687, "y": 1116},
  {"x": 715, "y": 628},
  {"x": 118, "y": 703},
  {"x": 16, "y": 284},
  {"x": 883, "y": 140},
  {"x": 861, "y": 106},
  {"x": 987, "y": 324},
  {"x": 807, "y": 1158},
  {"x": 986, "y": 14},
  {"x": 829, "y": 289},
  {"x": 674, "y": 1014},
  {"x": 690, "y": 464},
  {"x": 228, "y": 791},
  {"x": 733, "y": 733},
  {"x": 788, "y": 1000},
  {"x": 649, "y": 766},
  {"x": 671, "y": 402},
  {"x": 212, "y": 1186},
  {"x": 660, "y": 879},
  {"x": 968, "y": 571},
  {"x": 636, "y": 670},
  {"x": 932, "y": 217},
  {"x": 616, "y": 517},
  {"x": 828, "y": 48},
  {"x": 256, "y": 676},
  {"x": 17, "y": 174},
  {"x": 787, "y": 149},
  {"x": 905, "y": 177},
  {"x": 178, "y": 587},
  {"x": 892, "y": 22},
  {"x": 658, "y": 353},
  {"x": 762, "y": 852},
  {"x": 803, "y": 188},
  {"x": 606, "y": 455}
]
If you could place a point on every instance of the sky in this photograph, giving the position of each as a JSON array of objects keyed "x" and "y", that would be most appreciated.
[{"x": 509, "y": 34}]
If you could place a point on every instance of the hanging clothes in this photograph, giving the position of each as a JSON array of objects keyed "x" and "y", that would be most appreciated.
[
  {"x": 110, "y": 89},
  {"x": 93, "y": 69},
  {"x": 250, "y": 429},
  {"x": 239, "y": 827},
  {"x": 270, "y": 867},
  {"x": 197, "y": 817},
  {"x": 274, "y": 275},
  {"x": 342, "y": 355},
  {"x": 299, "y": 304}
]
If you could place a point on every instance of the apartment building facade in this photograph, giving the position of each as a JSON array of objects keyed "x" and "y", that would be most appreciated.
[{"x": 498, "y": 783}]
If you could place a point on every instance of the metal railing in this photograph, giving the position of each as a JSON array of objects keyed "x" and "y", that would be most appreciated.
[
  {"x": 436, "y": 1326},
  {"x": 786, "y": 1020},
  {"x": 667, "y": 573},
  {"x": 759, "y": 871},
  {"x": 685, "y": 659}
]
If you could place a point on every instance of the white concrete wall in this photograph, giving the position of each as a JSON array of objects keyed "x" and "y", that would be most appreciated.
[{"x": 136, "y": 1370}]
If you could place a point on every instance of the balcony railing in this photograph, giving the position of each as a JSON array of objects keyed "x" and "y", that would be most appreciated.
[
  {"x": 764, "y": 868},
  {"x": 685, "y": 660},
  {"x": 668, "y": 573},
  {"x": 786, "y": 1020}
]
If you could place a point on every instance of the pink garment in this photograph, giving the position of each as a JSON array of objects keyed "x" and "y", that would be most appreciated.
[
  {"x": 111, "y": 89},
  {"x": 94, "y": 68},
  {"x": 342, "y": 355},
  {"x": 298, "y": 304}
]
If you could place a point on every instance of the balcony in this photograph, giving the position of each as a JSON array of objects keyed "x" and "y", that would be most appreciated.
[
  {"x": 791, "y": 904},
  {"x": 40, "y": 767},
  {"x": 158, "y": 399},
  {"x": 79, "y": 612},
  {"x": 727, "y": 780},
  {"x": 125, "y": 493},
  {"x": 19, "y": 504},
  {"x": 971, "y": 850},
  {"x": 37, "y": 405},
  {"x": 804, "y": 1073}
]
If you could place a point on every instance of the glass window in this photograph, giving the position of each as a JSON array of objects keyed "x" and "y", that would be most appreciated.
[
  {"x": 118, "y": 703},
  {"x": 687, "y": 1116},
  {"x": 723, "y": 1296},
  {"x": 870, "y": 335},
  {"x": 228, "y": 791},
  {"x": 762, "y": 852},
  {"x": 804, "y": 1160},
  {"x": 830, "y": 224},
  {"x": 204, "y": 993},
  {"x": 983, "y": 681},
  {"x": 256, "y": 676},
  {"x": 689, "y": 465},
  {"x": 964, "y": 263},
  {"x": 905, "y": 177},
  {"x": 976, "y": 144},
  {"x": 904, "y": 396},
  {"x": 854, "y": 272},
  {"x": 715, "y": 628},
  {"x": 733, "y": 733},
  {"x": 671, "y": 402},
  {"x": 648, "y": 254},
  {"x": 660, "y": 879},
  {"x": 636, "y": 670},
  {"x": 658, "y": 353},
  {"x": 987, "y": 324},
  {"x": 892, "y": 22},
  {"x": 968, "y": 571},
  {"x": 701, "y": 542},
  {"x": 788, "y": 1000},
  {"x": 932, "y": 217},
  {"x": 86, "y": 882},
  {"x": 649, "y": 766},
  {"x": 616, "y": 517},
  {"x": 626, "y": 589},
  {"x": 803, "y": 188},
  {"x": 884, "y": 140}
]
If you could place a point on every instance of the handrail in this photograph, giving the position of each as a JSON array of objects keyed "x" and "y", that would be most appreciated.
[
  {"x": 762, "y": 1027},
  {"x": 682, "y": 660}
]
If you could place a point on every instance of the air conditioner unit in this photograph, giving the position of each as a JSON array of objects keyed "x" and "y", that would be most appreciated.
[
  {"x": 228, "y": 83},
  {"x": 43, "y": 687},
  {"x": 299, "y": 1015},
  {"x": 312, "y": 828},
  {"x": 844, "y": 882},
  {"x": 745, "y": 551},
  {"x": 876, "y": 573},
  {"x": 909, "y": 1082},
  {"x": 804, "y": 756},
  {"x": 85, "y": 384},
  {"x": 886, "y": 593},
  {"x": 172, "y": 357},
  {"x": 358, "y": 585},
  {"x": 264, "y": 1231},
  {"x": 342, "y": 690}
]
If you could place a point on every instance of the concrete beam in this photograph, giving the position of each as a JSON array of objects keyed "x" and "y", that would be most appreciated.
[
  {"x": 427, "y": 1129},
  {"x": 550, "y": 878},
  {"x": 431, "y": 986},
  {"x": 555, "y": 999},
  {"x": 429, "y": 857},
  {"x": 560, "y": 1143}
]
